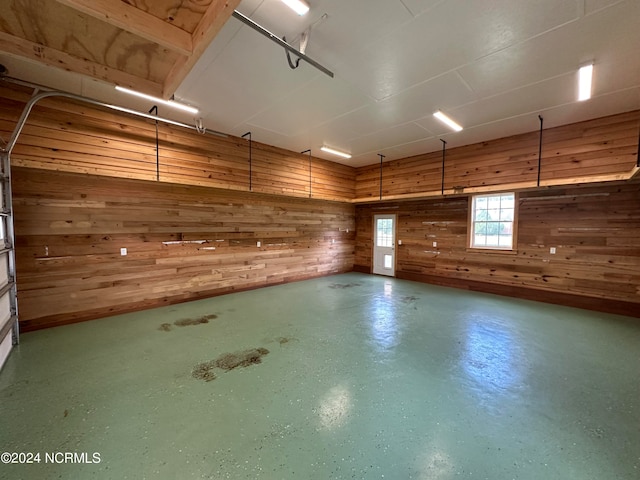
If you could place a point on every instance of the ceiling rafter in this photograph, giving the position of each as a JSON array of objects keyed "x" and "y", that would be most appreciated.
[
  {"x": 217, "y": 14},
  {"x": 136, "y": 21}
]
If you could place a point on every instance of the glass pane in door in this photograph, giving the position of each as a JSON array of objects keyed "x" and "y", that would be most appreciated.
[{"x": 384, "y": 232}]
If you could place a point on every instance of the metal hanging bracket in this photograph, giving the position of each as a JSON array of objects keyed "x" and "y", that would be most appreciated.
[
  {"x": 540, "y": 148},
  {"x": 444, "y": 151},
  {"x": 248, "y": 134},
  {"x": 310, "y": 179},
  {"x": 274, "y": 38},
  {"x": 381, "y": 159},
  {"x": 154, "y": 110}
]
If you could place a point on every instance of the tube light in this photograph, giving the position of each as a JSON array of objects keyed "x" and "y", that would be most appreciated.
[
  {"x": 169, "y": 103},
  {"x": 585, "y": 74},
  {"x": 299, "y": 6},
  {"x": 446, "y": 120},
  {"x": 335, "y": 152}
]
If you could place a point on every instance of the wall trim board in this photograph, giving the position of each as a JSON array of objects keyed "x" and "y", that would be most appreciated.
[{"x": 565, "y": 299}]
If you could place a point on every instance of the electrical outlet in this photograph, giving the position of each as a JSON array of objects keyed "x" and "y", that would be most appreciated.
[
  {"x": 399, "y": 242},
  {"x": 258, "y": 244},
  {"x": 435, "y": 244},
  {"x": 123, "y": 252},
  {"x": 333, "y": 240},
  {"x": 552, "y": 250}
]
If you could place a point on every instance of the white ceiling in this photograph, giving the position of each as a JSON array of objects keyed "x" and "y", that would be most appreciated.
[{"x": 492, "y": 65}]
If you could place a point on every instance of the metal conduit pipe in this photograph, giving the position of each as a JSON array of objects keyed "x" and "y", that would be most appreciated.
[{"x": 55, "y": 93}]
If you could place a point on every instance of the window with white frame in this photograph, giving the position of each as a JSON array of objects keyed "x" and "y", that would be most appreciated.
[{"x": 493, "y": 221}]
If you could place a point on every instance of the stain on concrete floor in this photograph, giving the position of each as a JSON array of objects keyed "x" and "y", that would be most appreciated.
[
  {"x": 227, "y": 362},
  {"x": 204, "y": 371},
  {"x": 187, "y": 322},
  {"x": 341, "y": 286},
  {"x": 285, "y": 340}
]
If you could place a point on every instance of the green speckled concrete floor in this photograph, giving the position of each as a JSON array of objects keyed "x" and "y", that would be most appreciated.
[{"x": 366, "y": 377}]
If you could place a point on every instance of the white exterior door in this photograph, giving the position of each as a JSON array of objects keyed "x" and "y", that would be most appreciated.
[{"x": 384, "y": 240}]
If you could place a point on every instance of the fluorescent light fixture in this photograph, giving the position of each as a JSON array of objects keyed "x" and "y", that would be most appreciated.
[
  {"x": 335, "y": 152},
  {"x": 169, "y": 103},
  {"x": 446, "y": 120},
  {"x": 585, "y": 74},
  {"x": 299, "y": 6}
]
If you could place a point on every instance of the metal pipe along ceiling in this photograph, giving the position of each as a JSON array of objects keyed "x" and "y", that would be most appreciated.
[{"x": 54, "y": 93}]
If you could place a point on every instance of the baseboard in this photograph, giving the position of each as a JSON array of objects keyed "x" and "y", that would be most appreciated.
[
  {"x": 30, "y": 325},
  {"x": 557, "y": 298},
  {"x": 361, "y": 269}
]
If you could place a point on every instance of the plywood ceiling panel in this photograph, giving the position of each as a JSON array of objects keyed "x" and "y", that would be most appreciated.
[
  {"x": 148, "y": 46},
  {"x": 185, "y": 14}
]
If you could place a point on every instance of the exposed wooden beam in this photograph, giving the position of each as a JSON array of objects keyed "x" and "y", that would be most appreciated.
[
  {"x": 136, "y": 21},
  {"x": 55, "y": 58},
  {"x": 217, "y": 14}
]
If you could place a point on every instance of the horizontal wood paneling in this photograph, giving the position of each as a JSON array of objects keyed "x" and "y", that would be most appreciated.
[
  {"x": 63, "y": 135},
  {"x": 73, "y": 216},
  {"x": 183, "y": 242},
  {"x": 592, "y": 151},
  {"x": 596, "y": 232}
]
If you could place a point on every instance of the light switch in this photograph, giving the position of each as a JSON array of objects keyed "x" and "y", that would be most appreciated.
[
  {"x": 552, "y": 250},
  {"x": 258, "y": 244},
  {"x": 123, "y": 251},
  {"x": 435, "y": 244}
]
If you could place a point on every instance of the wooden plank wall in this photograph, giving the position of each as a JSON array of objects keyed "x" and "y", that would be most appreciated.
[
  {"x": 596, "y": 150},
  {"x": 595, "y": 229},
  {"x": 63, "y": 135},
  {"x": 183, "y": 242},
  {"x": 73, "y": 215}
]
